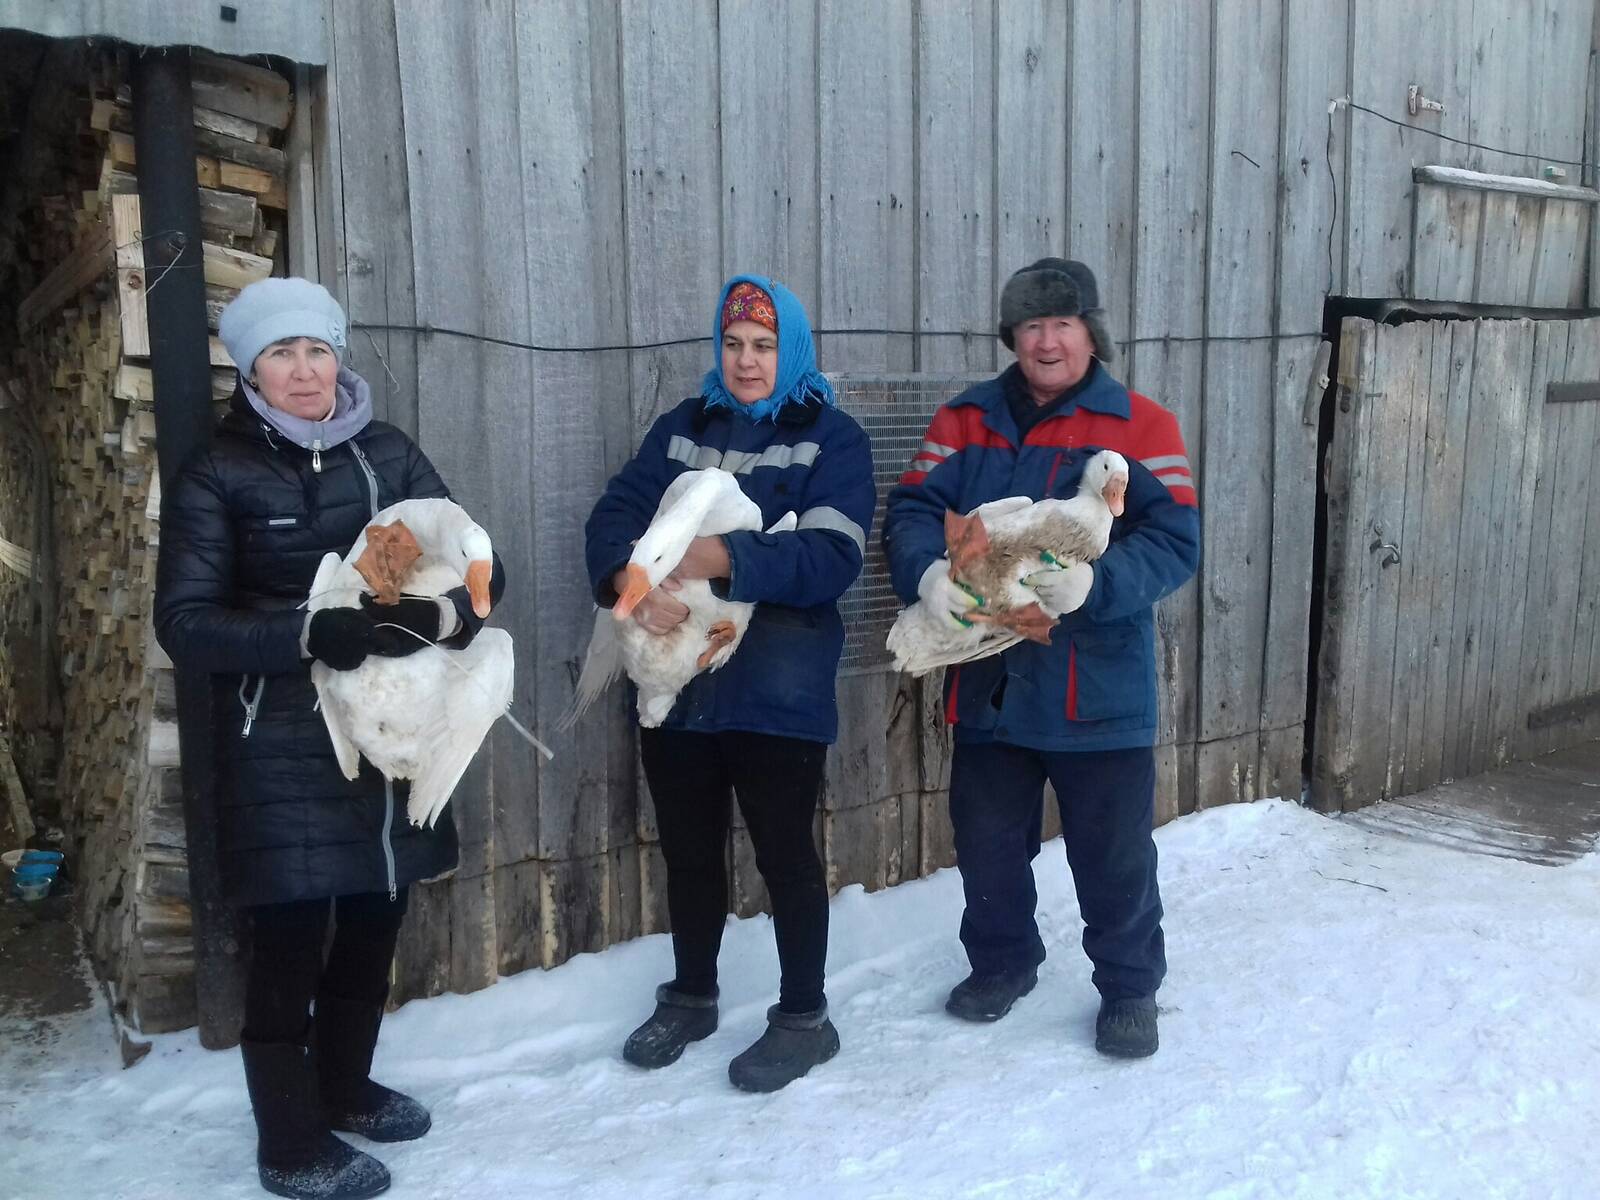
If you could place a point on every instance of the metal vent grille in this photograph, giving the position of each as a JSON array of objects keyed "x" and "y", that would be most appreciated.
[{"x": 895, "y": 411}]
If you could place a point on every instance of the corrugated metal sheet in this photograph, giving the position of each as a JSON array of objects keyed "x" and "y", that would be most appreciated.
[{"x": 295, "y": 29}]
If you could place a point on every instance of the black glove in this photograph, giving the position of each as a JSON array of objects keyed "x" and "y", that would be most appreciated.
[
  {"x": 420, "y": 616},
  {"x": 343, "y": 637}
]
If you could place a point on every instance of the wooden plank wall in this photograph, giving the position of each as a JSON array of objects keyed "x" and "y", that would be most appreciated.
[
  {"x": 1436, "y": 655},
  {"x": 585, "y": 173}
]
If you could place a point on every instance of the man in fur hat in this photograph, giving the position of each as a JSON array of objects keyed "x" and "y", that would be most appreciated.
[{"x": 1081, "y": 711}]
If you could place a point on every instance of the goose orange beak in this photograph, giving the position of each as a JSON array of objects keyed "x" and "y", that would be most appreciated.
[
  {"x": 638, "y": 588},
  {"x": 479, "y": 573},
  {"x": 1115, "y": 493}
]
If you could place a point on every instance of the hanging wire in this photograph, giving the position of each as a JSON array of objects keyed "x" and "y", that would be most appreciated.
[
  {"x": 1445, "y": 137},
  {"x": 369, "y": 327}
]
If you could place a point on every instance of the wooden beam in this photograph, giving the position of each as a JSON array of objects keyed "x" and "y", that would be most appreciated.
[
  {"x": 90, "y": 261},
  {"x": 241, "y": 90}
]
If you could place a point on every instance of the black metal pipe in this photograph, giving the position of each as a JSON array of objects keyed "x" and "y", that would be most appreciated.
[{"x": 180, "y": 366}]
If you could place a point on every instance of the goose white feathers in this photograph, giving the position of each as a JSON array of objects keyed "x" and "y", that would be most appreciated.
[
  {"x": 424, "y": 716},
  {"x": 704, "y": 503},
  {"x": 992, "y": 549}
]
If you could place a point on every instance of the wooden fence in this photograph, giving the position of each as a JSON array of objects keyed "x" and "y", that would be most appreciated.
[{"x": 583, "y": 174}]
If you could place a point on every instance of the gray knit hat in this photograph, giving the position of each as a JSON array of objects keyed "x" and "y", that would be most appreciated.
[
  {"x": 1055, "y": 287},
  {"x": 270, "y": 310}
]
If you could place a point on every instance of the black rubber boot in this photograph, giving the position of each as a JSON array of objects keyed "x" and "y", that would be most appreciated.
[
  {"x": 295, "y": 1153},
  {"x": 343, "y": 1036},
  {"x": 989, "y": 997},
  {"x": 679, "y": 1019},
  {"x": 791, "y": 1046},
  {"x": 1126, "y": 1028}
]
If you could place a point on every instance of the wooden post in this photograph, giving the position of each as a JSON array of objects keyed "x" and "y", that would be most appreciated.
[{"x": 174, "y": 263}]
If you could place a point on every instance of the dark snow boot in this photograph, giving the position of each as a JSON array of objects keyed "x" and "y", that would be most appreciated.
[
  {"x": 679, "y": 1019},
  {"x": 1126, "y": 1028},
  {"x": 981, "y": 997},
  {"x": 343, "y": 1036},
  {"x": 295, "y": 1153},
  {"x": 791, "y": 1046}
]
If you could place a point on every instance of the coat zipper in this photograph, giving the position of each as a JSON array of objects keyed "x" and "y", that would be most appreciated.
[
  {"x": 388, "y": 784},
  {"x": 366, "y": 469},
  {"x": 253, "y": 705},
  {"x": 388, "y": 829}
]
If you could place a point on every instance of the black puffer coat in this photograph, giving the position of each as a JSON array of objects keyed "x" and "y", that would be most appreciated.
[{"x": 242, "y": 533}]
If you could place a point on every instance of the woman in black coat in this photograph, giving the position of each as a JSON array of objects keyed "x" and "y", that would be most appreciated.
[{"x": 297, "y": 468}]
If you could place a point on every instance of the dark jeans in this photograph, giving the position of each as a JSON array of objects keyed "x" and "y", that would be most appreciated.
[
  {"x": 288, "y": 969},
  {"x": 777, "y": 781},
  {"x": 1107, "y": 803}
]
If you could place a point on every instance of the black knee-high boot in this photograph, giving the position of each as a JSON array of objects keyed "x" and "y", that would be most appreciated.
[
  {"x": 344, "y": 1034},
  {"x": 295, "y": 1153}
]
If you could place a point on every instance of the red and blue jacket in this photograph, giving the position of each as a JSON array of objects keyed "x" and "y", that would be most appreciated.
[
  {"x": 1094, "y": 686},
  {"x": 810, "y": 458}
]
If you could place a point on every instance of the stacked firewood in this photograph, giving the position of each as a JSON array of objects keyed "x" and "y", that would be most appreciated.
[{"x": 83, "y": 365}]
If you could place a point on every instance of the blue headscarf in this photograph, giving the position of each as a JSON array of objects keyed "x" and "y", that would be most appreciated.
[{"x": 797, "y": 380}]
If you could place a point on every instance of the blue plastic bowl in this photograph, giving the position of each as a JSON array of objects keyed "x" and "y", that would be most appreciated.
[
  {"x": 42, "y": 856},
  {"x": 31, "y": 881}
]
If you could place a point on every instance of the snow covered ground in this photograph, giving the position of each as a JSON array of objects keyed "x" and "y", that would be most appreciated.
[{"x": 1347, "y": 1015}]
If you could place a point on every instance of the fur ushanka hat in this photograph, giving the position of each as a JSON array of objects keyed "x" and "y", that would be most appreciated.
[{"x": 1055, "y": 287}]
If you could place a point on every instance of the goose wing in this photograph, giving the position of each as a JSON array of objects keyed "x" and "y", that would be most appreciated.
[
  {"x": 467, "y": 709},
  {"x": 326, "y": 592}
]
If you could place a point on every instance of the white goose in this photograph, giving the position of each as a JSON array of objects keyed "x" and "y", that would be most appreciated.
[
  {"x": 705, "y": 503},
  {"x": 424, "y": 716},
  {"x": 992, "y": 550}
]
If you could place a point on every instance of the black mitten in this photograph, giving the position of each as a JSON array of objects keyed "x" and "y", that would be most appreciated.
[
  {"x": 341, "y": 637},
  {"x": 418, "y": 616}
]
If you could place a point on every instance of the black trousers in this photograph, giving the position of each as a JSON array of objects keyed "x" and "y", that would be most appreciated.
[
  {"x": 777, "y": 781},
  {"x": 1107, "y": 801},
  {"x": 288, "y": 967}
]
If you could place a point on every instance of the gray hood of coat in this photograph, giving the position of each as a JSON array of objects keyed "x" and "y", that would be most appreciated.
[{"x": 352, "y": 412}]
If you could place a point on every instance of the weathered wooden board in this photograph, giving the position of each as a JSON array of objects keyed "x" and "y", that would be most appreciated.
[
  {"x": 1226, "y": 770},
  {"x": 669, "y": 86},
  {"x": 1445, "y": 240},
  {"x": 1559, "y": 261},
  {"x": 1236, "y": 513},
  {"x": 863, "y": 845},
  {"x": 578, "y": 417},
  {"x": 1169, "y": 373},
  {"x": 1291, "y": 520},
  {"x": 1414, "y": 617},
  {"x": 1345, "y": 634},
  {"x": 469, "y": 276},
  {"x": 865, "y": 163},
  {"x": 1311, "y": 154},
  {"x": 1102, "y": 133},
  {"x": 1443, "y": 479},
  {"x": 1544, "y": 555},
  {"x": 1507, "y": 243},
  {"x": 517, "y": 898},
  {"x": 857, "y": 771},
  {"x": 1500, "y": 375},
  {"x": 955, "y": 212},
  {"x": 1402, "y": 367},
  {"x": 365, "y": 224},
  {"x": 768, "y": 123},
  {"x": 1171, "y": 197},
  {"x": 1584, "y": 363},
  {"x": 1522, "y": 414},
  {"x": 1243, "y": 206},
  {"x": 1031, "y": 171}
]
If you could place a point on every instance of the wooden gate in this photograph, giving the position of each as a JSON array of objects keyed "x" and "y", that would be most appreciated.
[{"x": 1462, "y": 558}]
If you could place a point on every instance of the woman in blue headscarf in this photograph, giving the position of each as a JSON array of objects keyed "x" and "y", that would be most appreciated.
[{"x": 760, "y": 726}]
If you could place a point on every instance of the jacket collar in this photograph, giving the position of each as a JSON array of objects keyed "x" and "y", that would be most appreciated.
[
  {"x": 794, "y": 415},
  {"x": 1103, "y": 395}
]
